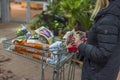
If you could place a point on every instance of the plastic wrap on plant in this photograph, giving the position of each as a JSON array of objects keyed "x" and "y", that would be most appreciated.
[{"x": 45, "y": 34}]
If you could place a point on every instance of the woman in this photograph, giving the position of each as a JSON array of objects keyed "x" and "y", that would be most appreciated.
[{"x": 101, "y": 52}]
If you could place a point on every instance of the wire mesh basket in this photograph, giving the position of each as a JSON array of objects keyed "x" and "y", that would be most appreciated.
[{"x": 55, "y": 57}]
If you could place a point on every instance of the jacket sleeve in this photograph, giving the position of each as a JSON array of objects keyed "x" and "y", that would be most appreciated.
[{"x": 107, "y": 38}]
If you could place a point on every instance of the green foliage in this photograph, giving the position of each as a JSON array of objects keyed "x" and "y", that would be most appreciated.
[
  {"x": 78, "y": 11},
  {"x": 66, "y": 15}
]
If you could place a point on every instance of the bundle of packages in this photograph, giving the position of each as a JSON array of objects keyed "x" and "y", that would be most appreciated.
[
  {"x": 36, "y": 54},
  {"x": 37, "y": 47},
  {"x": 37, "y": 50},
  {"x": 31, "y": 48}
]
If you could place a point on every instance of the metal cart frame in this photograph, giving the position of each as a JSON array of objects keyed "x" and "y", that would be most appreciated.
[{"x": 58, "y": 68}]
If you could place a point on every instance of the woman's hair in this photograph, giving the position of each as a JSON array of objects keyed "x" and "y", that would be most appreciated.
[{"x": 100, "y": 4}]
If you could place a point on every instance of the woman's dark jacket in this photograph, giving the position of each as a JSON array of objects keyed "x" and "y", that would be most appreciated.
[{"x": 102, "y": 51}]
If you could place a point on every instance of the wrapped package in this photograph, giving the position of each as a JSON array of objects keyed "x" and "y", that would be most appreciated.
[
  {"x": 30, "y": 50},
  {"x": 45, "y": 33},
  {"x": 35, "y": 56},
  {"x": 40, "y": 46}
]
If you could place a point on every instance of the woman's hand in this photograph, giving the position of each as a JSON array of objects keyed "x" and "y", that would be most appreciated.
[
  {"x": 77, "y": 41},
  {"x": 82, "y": 33}
]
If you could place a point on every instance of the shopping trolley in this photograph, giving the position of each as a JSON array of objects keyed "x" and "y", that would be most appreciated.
[{"x": 58, "y": 68}]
